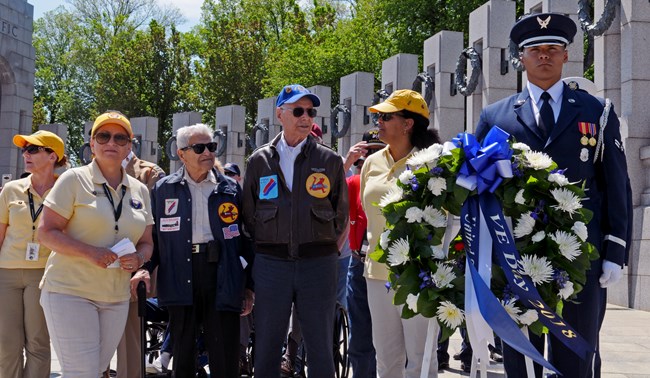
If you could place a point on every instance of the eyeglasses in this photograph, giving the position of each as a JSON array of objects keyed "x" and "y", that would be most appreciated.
[
  {"x": 119, "y": 139},
  {"x": 388, "y": 116},
  {"x": 34, "y": 149},
  {"x": 198, "y": 148},
  {"x": 298, "y": 112}
]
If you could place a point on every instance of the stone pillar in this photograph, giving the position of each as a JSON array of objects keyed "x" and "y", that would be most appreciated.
[
  {"x": 357, "y": 91},
  {"x": 179, "y": 120},
  {"x": 231, "y": 120},
  {"x": 323, "y": 117},
  {"x": 608, "y": 59},
  {"x": 266, "y": 115},
  {"x": 145, "y": 130},
  {"x": 635, "y": 90},
  {"x": 398, "y": 72},
  {"x": 17, "y": 69},
  {"x": 447, "y": 107},
  {"x": 489, "y": 34},
  {"x": 88, "y": 126}
]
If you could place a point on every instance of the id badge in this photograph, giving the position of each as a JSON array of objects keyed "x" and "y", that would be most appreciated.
[{"x": 31, "y": 254}]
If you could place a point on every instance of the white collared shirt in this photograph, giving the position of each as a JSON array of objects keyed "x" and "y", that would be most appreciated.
[
  {"x": 288, "y": 157},
  {"x": 556, "y": 92},
  {"x": 200, "y": 192}
]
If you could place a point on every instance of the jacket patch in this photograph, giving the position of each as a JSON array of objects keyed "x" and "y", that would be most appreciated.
[
  {"x": 171, "y": 206},
  {"x": 135, "y": 204},
  {"x": 231, "y": 231},
  {"x": 170, "y": 224},
  {"x": 269, "y": 187},
  {"x": 228, "y": 212},
  {"x": 318, "y": 185}
]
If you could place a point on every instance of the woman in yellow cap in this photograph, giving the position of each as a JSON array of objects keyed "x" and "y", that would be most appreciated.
[
  {"x": 399, "y": 343},
  {"x": 97, "y": 221},
  {"x": 22, "y": 258}
]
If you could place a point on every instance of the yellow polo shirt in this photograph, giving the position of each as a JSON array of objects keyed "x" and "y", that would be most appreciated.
[
  {"x": 378, "y": 174},
  {"x": 15, "y": 213},
  {"x": 78, "y": 196}
]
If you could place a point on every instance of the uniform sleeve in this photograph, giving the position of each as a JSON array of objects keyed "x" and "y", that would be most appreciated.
[
  {"x": 249, "y": 199},
  {"x": 340, "y": 199},
  {"x": 615, "y": 206},
  {"x": 482, "y": 127},
  {"x": 61, "y": 198},
  {"x": 4, "y": 207}
]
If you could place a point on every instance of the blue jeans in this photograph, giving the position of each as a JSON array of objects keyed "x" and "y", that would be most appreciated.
[
  {"x": 342, "y": 281},
  {"x": 360, "y": 349}
]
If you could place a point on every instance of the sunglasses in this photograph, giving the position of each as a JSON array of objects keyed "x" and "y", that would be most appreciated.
[
  {"x": 119, "y": 139},
  {"x": 198, "y": 148},
  {"x": 298, "y": 112},
  {"x": 34, "y": 149},
  {"x": 388, "y": 116},
  {"x": 230, "y": 174}
]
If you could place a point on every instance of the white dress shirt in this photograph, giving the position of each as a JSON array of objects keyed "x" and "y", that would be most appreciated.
[
  {"x": 556, "y": 92},
  {"x": 201, "y": 232},
  {"x": 288, "y": 157}
]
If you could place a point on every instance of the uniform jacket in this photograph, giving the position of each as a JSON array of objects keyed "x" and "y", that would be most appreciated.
[
  {"x": 302, "y": 223},
  {"x": 146, "y": 172},
  {"x": 171, "y": 206},
  {"x": 607, "y": 182}
]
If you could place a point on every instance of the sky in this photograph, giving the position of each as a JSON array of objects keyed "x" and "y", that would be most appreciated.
[{"x": 191, "y": 9}]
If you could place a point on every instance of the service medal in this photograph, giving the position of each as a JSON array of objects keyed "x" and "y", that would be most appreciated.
[
  {"x": 584, "y": 140},
  {"x": 584, "y": 155},
  {"x": 592, "y": 141},
  {"x": 583, "y": 127}
]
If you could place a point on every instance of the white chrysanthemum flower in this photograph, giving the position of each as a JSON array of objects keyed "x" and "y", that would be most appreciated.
[
  {"x": 537, "y": 160},
  {"x": 539, "y": 269},
  {"x": 558, "y": 178},
  {"x": 443, "y": 276},
  {"x": 525, "y": 225},
  {"x": 394, "y": 194},
  {"x": 437, "y": 185},
  {"x": 434, "y": 217},
  {"x": 438, "y": 253},
  {"x": 398, "y": 253},
  {"x": 449, "y": 314},
  {"x": 519, "y": 198},
  {"x": 511, "y": 309},
  {"x": 429, "y": 155},
  {"x": 414, "y": 215},
  {"x": 520, "y": 146},
  {"x": 566, "y": 291},
  {"x": 406, "y": 176},
  {"x": 412, "y": 302},
  {"x": 568, "y": 243},
  {"x": 539, "y": 236},
  {"x": 383, "y": 239},
  {"x": 567, "y": 201},
  {"x": 581, "y": 230},
  {"x": 529, "y": 317}
]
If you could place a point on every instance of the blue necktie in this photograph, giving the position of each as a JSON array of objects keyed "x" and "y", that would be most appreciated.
[{"x": 546, "y": 116}]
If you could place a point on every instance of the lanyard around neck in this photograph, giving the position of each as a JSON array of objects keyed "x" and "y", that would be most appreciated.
[
  {"x": 35, "y": 213},
  {"x": 117, "y": 212}
]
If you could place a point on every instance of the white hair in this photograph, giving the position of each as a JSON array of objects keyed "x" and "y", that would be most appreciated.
[{"x": 185, "y": 133}]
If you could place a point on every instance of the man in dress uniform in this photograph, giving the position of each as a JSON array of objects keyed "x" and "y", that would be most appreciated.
[{"x": 564, "y": 123}]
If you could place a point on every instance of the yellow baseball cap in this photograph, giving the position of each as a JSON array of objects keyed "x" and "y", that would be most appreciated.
[
  {"x": 42, "y": 138},
  {"x": 403, "y": 99},
  {"x": 111, "y": 117}
]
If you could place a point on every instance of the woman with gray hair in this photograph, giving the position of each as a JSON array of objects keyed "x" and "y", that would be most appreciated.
[{"x": 200, "y": 276}]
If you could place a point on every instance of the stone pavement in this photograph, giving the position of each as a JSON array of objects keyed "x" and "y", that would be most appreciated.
[{"x": 625, "y": 347}]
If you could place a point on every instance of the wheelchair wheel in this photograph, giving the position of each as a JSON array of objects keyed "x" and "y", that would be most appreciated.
[
  {"x": 341, "y": 361},
  {"x": 154, "y": 336}
]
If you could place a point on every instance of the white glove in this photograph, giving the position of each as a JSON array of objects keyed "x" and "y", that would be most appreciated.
[{"x": 612, "y": 273}]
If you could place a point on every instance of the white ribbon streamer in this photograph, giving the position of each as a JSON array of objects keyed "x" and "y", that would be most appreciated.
[{"x": 530, "y": 370}]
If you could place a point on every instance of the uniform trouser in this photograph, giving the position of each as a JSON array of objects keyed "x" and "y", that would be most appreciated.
[
  {"x": 220, "y": 328},
  {"x": 129, "y": 349},
  {"x": 398, "y": 340},
  {"x": 22, "y": 325},
  {"x": 310, "y": 284},
  {"x": 84, "y": 333},
  {"x": 586, "y": 317},
  {"x": 361, "y": 352}
]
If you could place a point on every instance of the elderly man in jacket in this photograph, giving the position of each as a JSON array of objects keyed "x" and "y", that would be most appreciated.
[
  {"x": 296, "y": 208},
  {"x": 201, "y": 277}
]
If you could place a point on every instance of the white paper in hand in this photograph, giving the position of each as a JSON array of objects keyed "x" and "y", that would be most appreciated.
[{"x": 123, "y": 247}]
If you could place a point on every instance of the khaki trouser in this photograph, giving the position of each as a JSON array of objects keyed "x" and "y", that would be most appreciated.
[{"x": 22, "y": 325}]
